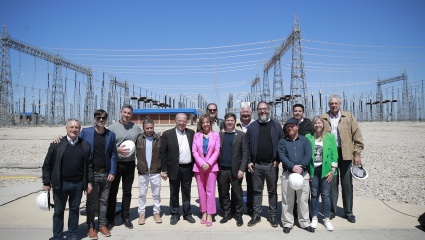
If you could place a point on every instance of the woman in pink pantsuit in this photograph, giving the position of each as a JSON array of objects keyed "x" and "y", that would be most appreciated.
[{"x": 206, "y": 149}]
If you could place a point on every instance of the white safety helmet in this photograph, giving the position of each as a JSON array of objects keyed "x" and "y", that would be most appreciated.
[
  {"x": 359, "y": 172},
  {"x": 128, "y": 145},
  {"x": 296, "y": 181},
  {"x": 43, "y": 201}
]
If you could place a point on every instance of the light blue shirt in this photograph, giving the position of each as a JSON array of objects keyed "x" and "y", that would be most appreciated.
[{"x": 149, "y": 141}]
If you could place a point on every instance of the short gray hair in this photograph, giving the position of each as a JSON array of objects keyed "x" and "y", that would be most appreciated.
[{"x": 334, "y": 96}]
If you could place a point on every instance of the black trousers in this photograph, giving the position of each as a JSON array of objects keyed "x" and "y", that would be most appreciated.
[
  {"x": 268, "y": 173},
  {"x": 346, "y": 180},
  {"x": 183, "y": 181},
  {"x": 226, "y": 180},
  {"x": 125, "y": 170}
]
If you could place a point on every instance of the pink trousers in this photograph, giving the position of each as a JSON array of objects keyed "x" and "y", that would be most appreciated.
[{"x": 206, "y": 190}]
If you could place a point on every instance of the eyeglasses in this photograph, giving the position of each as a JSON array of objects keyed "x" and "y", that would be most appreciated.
[
  {"x": 101, "y": 118},
  {"x": 263, "y": 109},
  {"x": 212, "y": 110}
]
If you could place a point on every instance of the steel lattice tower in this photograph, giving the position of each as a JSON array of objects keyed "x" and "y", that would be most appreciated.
[
  {"x": 57, "y": 101},
  {"x": 298, "y": 83},
  {"x": 265, "y": 96},
  {"x": 89, "y": 100},
  {"x": 277, "y": 81},
  {"x": 6, "y": 90}
]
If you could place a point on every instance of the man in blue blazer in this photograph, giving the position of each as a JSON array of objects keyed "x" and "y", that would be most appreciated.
[{"x": 104, "y": 153}]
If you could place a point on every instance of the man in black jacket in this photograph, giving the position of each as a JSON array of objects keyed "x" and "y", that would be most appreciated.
[
  {"x": 262, "y": 138},
  {"x": 68, "y": 170}
]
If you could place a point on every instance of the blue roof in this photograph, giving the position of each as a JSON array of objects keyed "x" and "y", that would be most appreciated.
[
  {"x": 27, "y": 113},
  {"x": 165, "y": 111}
]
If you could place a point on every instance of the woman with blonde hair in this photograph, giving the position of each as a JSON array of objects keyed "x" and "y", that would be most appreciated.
[
  {"x": 324, "y": 163},
  {"x": 205, "y": 150}
]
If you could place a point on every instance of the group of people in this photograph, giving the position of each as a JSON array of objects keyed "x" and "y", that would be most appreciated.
[{"x": 220, "y": 153}]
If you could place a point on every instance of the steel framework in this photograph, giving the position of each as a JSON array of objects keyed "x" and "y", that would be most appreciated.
[
  {"x": 57, "y": 108},
  {"x": 298, "y": 87},
  {"x": 404, "y": 95}
]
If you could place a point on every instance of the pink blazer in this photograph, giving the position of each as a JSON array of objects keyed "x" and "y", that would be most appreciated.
[{"x": 213, "y": 151}]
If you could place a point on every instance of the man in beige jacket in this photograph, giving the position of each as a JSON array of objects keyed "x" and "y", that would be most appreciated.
[{"x": 350, "y": 145}]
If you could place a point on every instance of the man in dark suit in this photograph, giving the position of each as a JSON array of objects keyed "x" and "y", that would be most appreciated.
[
  {"x": 232, "y": 162},
  {"x": 177, "y": 163}
]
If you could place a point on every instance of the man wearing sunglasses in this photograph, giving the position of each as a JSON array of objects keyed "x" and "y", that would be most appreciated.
[
  {"x": 104, "y": 152},
  {"x": 217, "y": 124}
]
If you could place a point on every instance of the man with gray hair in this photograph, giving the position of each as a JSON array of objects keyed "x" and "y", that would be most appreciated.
[
  {"x": 242, "y": 125},
  {"x": 68, "y": 170},
  {"x": 350, "y": 144}
]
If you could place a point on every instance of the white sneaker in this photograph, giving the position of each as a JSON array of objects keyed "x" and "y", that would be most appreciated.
[
  {"x": 313, "y": 223},
  {"x": 328, "y": 224}
]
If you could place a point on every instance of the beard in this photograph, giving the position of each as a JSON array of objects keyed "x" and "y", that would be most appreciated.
[{"x": 263, "y": 117}]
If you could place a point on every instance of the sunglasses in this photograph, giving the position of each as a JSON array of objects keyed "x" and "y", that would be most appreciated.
[
  {"x": 101, "y": 118},
  {"x": 212, "y": 110}
]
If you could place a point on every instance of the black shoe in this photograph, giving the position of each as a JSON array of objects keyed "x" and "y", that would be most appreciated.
[
  {"x": 239, "y": 221},
  {"x": 286, "y": 229},
  {"x": 225, "y": 219},
  {"x": 174, "y": 220},
  {"x": 127, "y": 223},
  {"x": 254, "y": 220},
  {"x": 351, "y": 218},
  {"x": 189, "y": 218},
  {"x": 332, "y": 216},
  {"x": 110, "y": 225},
  {"x": 309, "y": 229},
  {"x": 273, "y": 221}
]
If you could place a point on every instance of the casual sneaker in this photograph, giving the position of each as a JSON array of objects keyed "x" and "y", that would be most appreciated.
[
  {"x": 328, "y": 224},
  {"x": 92, "y": 233},
  {"x": 314, "y": 221},
  {"x": 141, "y": 219},
  {"x": 157, "y": 218},
  {"x": 105, "y": 231}
]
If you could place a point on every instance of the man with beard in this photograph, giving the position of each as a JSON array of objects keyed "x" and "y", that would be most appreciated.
[
  {"x": 242, "y": 125},
  {"x": 262, "y": 138},
  {"x": 217, "y": 124},
  {"x": 124, "y": 130}
]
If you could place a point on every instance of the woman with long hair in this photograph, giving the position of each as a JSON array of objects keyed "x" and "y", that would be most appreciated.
[
  {"x": 205, "y": 150},
  {"x": 324, "y": 163}
]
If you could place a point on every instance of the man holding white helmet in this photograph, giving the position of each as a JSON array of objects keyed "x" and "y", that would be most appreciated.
[
  {"x": 124, "y": 130},
  {"x": 294, "y": 152},
  {"x": 350, "y": 145},
  {"x": 68, "y": 170}
]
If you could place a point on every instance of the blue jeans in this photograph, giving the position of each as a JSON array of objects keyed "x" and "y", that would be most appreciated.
[
  {"x": 73, "y": 191},
  {"x": 319, "y": 185},
  {"x": 98, "y": 198}
]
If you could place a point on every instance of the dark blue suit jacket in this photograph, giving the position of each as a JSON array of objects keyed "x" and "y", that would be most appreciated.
[{"x": 111, "y": 154}]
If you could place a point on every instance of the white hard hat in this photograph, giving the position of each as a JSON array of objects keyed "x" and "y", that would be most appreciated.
[
  {"x": 43, "y": 201},
  {"x": 128, "y": 145},
  {"x": 296, "y": 181},
  {"x": 359, "y": 172}
]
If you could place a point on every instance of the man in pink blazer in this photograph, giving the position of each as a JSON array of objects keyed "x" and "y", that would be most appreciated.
[{"x": 205, "y": 150}]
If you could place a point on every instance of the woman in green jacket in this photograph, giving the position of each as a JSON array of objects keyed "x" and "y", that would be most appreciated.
[{"x": 324, "y": 163}]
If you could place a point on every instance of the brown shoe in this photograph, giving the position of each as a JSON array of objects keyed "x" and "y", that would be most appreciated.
[
  {"x": 141, "y": 219},
  {"x": 157, "y": 218},
  {"x": 92, "y": 233},
  {"x": 105, "y": 231}
]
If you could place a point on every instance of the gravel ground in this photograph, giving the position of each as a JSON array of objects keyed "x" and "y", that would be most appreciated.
[{"x": 393, "y": 156}]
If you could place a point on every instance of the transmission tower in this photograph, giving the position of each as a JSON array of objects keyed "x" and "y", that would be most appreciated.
[
  {"x": 298, "y": 83},
  {"x": 58, "y": 104},
  {"x": 255, "y": 92},
  {"x": 277, "y": 81},
  {"x": 6, "y": 88},
  {"x": 89, "y": 101},
  {"x": 404, "y": 95}
]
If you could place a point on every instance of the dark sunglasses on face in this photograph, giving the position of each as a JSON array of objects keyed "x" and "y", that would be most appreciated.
[
  {"x": 212, "y": 110},
  {"x": 100, "y": 118}
]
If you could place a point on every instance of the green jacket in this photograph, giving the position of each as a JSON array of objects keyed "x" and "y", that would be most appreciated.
[{"x": 329, "y": 155}]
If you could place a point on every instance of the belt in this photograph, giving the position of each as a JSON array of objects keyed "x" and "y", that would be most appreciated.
[
  {"x": 225, "y": 168},
  {"x": 263, "y": 163},
  {"x": 185, "y": 165},
  {"x": 103, "y": 171}
]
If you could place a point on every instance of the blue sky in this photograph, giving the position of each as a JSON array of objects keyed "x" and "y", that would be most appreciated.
[{"x": 215, "y": 48}]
